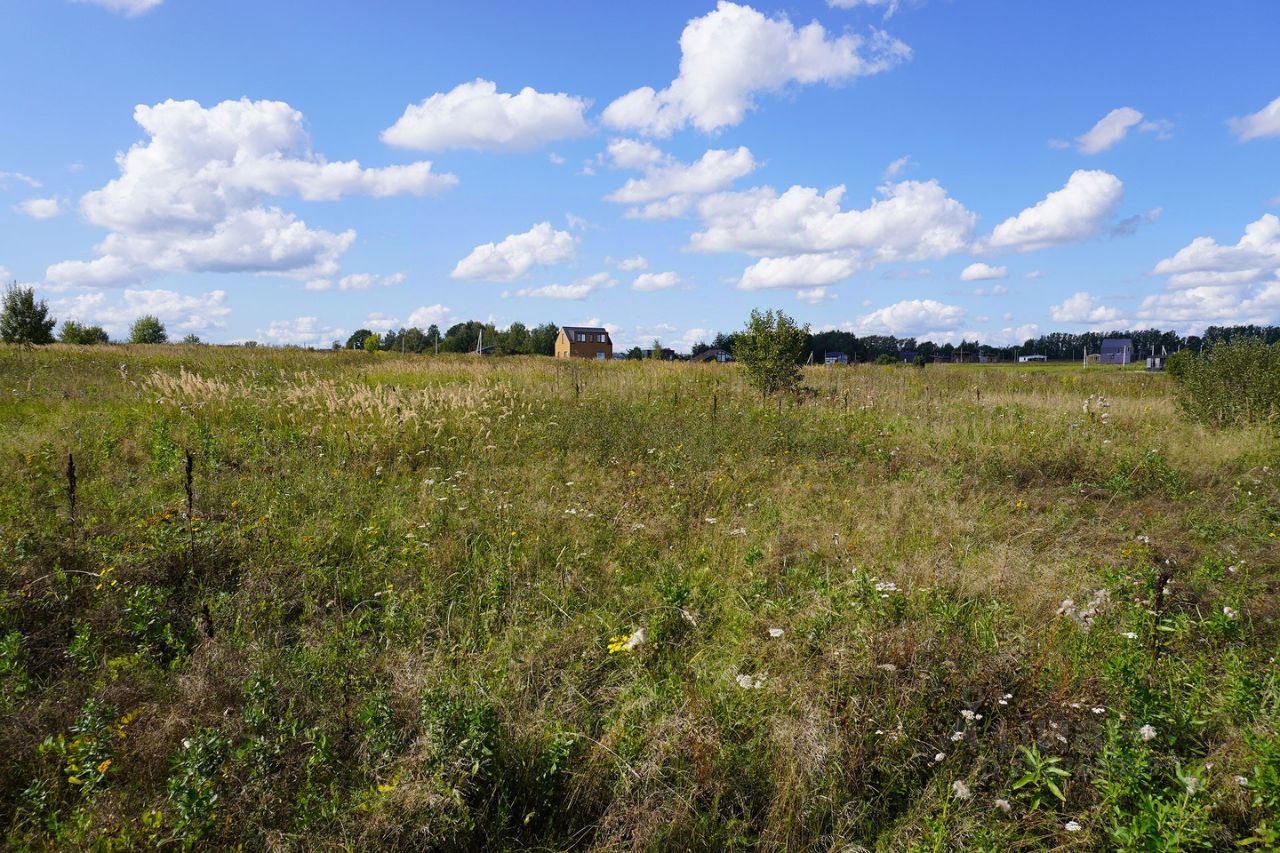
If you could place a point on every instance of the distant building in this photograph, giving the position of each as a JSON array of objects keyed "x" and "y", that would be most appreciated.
[
  {"x": 1025, "y": 359},
  {"x": 907, "y": 356},
  {"x": 835, "y": 358},
  {"x": 719, "y": 356},
  {"x": 1116, "y": 351},
  {"x": 666, "y": 353},
  {"x": 584, "y": 342}
]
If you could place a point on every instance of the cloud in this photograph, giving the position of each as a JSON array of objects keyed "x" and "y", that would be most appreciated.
[
  {"x": 302, "y": 332},
  {"x": 667, "y": 187},
  {"x": 366, "y": 281},
  {"x": 428, "y": 315},
  {"x": 1129, "y": 226},
  {"x": 1034, "y": 275},
  {"x": 983, "y": 272},
  {"x": 1110, "y": 130},
  {"x": 734, "y": 52},
  {"x": 477, "y": 116},
  {"x": 556, "y": 159},
  {"x": 911, "y": 220},
  {"x": 993, "y": 290},
  {"x": 1086, "y": 308},
  {"x": 634, "y": 154},
  {"x": 651, "y": 281},
  {"x": 890, "y": 6},
  {"x": 18, "y": 176},
  {"x": 910, "y": 318},
  {"x": 1205, "y": 262},
  {"x": 897, "y": 167},
  {"x": 1192, "y": 309},
  {"x": 821, "y": 268},
  {"x": 1265, "y": 122},
  {"x": 179, "y": 312},
  {"x": 633, "y": 264},
  {"x": 192, "y": 197},
  {"x": 580, "y": 289},
  {"x": 1008, "y": 336},
  {"x": 128, "y": 8},
  {"x": 815, "y": 295},
  {"x": 40, "y": 208},
  {"x": 510, "y": 259},
  {"x": 1077, "y": 212}
]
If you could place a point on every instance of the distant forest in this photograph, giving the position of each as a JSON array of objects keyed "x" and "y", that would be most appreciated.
[{"x": 519, "y": 339}]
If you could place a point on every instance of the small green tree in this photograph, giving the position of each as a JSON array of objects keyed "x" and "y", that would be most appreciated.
[
  {"x": 770, "y": 347},
  {"x": 372, "y": 343},
  {"x": 191, "y": 340},
  {"x": 77, "y": 333},
  {"x": 148, "y": 329},
  {"x": 23, "y": 320},
  {"x": 655, "y": 351},
  {"x": 885, "y": 358},
  {"x": 356, "y": 341}
]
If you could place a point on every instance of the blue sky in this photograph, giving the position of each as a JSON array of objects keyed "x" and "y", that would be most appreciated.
[{"x": 291, "y": 172}]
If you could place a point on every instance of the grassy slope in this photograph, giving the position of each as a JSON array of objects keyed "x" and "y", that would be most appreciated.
[{"x": 413, "y": 569}]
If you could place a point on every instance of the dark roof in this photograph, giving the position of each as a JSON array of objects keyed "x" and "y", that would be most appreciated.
[
  {"x": 1117, "y": 344},
  {"x": 708, "y": 354},
  {"x": 596, "y": 329}
]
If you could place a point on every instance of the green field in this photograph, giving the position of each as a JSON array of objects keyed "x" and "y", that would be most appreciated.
[{"x": 405, "y": 608}]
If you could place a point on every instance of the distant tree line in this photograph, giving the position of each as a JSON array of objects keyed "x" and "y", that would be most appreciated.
[{"x": 24, "y": 319}]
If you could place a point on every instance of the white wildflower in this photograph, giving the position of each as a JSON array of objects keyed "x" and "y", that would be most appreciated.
[
  {"x": 1242, "y": 781},
  {"x": 956, "y": 737},
  {"x": 961, "y": 790},
  {"x": 886, "y": 586},
  {"x": 1129, "y": 635},
  {"x": 749, "y": 682},
  {"x": 1098, "y": 710},
  {"x": 1147, "y": 732},
  {"x": 1003, "y": 805},
  {"x": 1072, "y": 826},
  {"x": 776, "y": 632},
  {"x": 1192, "y": 783},
  {"x": 1230, "y": 613},
  {"x": 887, "y": 667},
  {"x": 709, "y": 520},
  {"x": 970, "y": 716},
  {"x": 939, "y": 758},
  {"x": 738, "y": 531}
]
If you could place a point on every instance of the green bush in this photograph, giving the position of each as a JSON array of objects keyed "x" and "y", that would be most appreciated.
[
  {"x": 885, "y": 358},
  {"x": 1234, "y": 383},
  {"x": 1180, "y": 362}
]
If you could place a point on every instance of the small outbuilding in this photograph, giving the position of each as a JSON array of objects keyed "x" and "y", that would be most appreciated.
[
  {"x": 584, "y": 342},
  {"x": 835, "y": 358},
  {"x": 1028, "y": 359}
]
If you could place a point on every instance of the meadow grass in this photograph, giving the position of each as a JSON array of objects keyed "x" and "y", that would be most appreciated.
[{"x": 465, "y": 603}]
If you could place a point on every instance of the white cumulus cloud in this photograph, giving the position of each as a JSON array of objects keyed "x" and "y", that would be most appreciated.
[
  {"x": 1083, "y": 307},
  {"x": 818, "y": 268},
  {"x": 428, "y": 315},
  {"x": 1077, "y": 212},
  {"x": 911, "y": 220},
  {"x": 580, "y": 289},
  {"x": 301, "y": 332},
  {"x": 179, "y": 312},
  {"x": 734, "y": 52},
  {"x": 1110, "y": 130},
  {"x": 477, "y": 116},
  {"x": 1205, "y": 262},
  {"x": 1265, "y": 122},
  {"x": 192, "y": 198},
  {"x": 633, "y": 264},
  {"x": 668, "y": 187},
  {"x": 651, "y": 281},
  {"x": 39, "y": 208},
  {"x": 516, "y": 254},
  {"x": 983, "y": 272},
  {"x": 911, "y": 318}
]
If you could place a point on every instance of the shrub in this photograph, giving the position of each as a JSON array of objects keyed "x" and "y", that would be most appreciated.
[
  {"x": 769, "y": 347},
  {"x": 1180, "y": 362},
  {"x": 885, "y": 358},
  {"x": 76, "y": 333},
  {"x": 148, "y": 329},
  {"x": 1233, "y": 384},
  {"x": 23, "y": 320}
]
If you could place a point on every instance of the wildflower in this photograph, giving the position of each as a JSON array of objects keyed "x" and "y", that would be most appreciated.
[
  {"x": 957, "y": 736},
  {"x": 1242, "y": 781},
  {"x": 1003, "y": 805},
  {"x": 970, "y": 716},
  {"x": 1072, "y": 826},
  {"x": 887, "y": 667},
  {"x": 1192, "y": 783},
  {"x": 738, "y": 531},
  {"x": 1129, "y": 635},
  {"x": 1230, "y": 613},
  {"x": 104, "y": 766},
  {"x": 939, "y": 758},
  {"x": 1004, "y": 700},
  {"x": 626, "y": 642},
  {"x": 570, "y": 511},
  {"x": 886, "y": 586},
  {"x": 1098, "y": 710},
  {"x": 709, "y": 520},
  {"x": 1147, "y": 732},
  {"x": 961, "y": 791},
  {"x": 776, "y": 632},
  {"x": 749, "y": 682}
]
